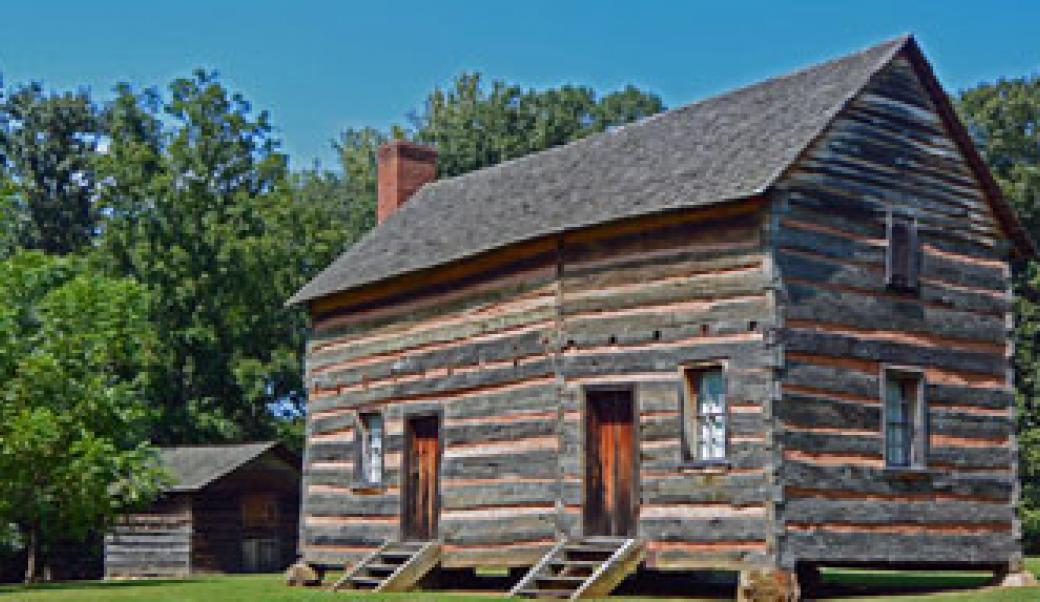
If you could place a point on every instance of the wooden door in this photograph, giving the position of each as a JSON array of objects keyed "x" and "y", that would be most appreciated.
[
  {"x": 421, "y": 495},
  {"x": 610, "y": 463}
]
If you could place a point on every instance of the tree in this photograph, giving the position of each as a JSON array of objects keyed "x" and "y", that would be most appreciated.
[
  {"x": 72, "y": 418},
  {"x": 473, "y": 126},
  {"x": 131, "y": 173},
  {"x": 11, "y": 216},
  {"x": 357, "y": 154},
  {"x": 49, "y": 142},
  {"x": 1004, "y": 120},
  {"x": 200, "y": 208}
]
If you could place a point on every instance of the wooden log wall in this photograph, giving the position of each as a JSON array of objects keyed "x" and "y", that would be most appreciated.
[
  {"x": 842, "y": 326},
  {"x": 156, "y": 543},
  {"x": 636, "y": 305},
  {"x": 478, "y": 348},
  {"x": 505, "y": 353}
]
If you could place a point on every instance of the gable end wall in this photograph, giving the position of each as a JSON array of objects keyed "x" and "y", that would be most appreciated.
[{"x": 889, "y": 149}]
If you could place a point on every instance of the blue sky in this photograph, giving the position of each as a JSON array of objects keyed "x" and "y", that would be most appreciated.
[{"x": 322, "y": 66}]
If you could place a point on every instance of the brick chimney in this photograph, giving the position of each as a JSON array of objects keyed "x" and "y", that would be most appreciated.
[{"x": 403, "y": 168}]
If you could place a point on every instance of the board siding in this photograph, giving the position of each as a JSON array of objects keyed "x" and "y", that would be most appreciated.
[{"x": 156, "y": 543}]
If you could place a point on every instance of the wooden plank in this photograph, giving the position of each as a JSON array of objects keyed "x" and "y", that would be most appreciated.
[
  {"x": 868, "y": 480},
  {"x": 709, "y": 530},
  {"x": 879, "y": 511},
  {"x": 841, "y": 346},
  {"x": 881, "y": 547}
]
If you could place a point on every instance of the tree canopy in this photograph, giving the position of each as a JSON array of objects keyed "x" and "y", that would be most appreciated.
[
  {"x": 49, "y": 141},
  {"x": 473, "y": 125},
  {"x": 74, "y": 346},
  {"x": 184, "y": 190}
]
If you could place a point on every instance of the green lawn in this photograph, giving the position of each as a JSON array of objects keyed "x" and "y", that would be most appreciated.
[{"x": 857, "y": 585}]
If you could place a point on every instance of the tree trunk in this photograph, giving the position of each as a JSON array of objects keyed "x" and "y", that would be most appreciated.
[{"x": 32, "y": 551}]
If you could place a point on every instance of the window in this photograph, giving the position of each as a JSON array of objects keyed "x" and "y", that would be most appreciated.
[
  {"x": 368, "y": 464},
  {"x": 903, "y": 256},
  {"x": 905, "y": 415},
  {"x": 259, "y": 510},
  {"x": 704, "y": 414}
]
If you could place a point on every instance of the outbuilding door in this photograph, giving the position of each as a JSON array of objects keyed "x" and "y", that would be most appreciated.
[
  {"x": 610, "y": 463},
  {"x": 420, "y": 502}
]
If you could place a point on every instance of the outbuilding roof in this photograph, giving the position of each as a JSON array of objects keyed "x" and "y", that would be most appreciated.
[
  {"x": 193, "y": 467},
  {"x": 724, "y": 148}
]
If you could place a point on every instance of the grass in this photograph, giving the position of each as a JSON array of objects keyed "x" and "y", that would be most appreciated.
[{"x": 846, "y": 584}]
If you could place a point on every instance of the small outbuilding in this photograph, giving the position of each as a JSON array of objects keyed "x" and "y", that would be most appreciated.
[{"x": 230, "y": 509}]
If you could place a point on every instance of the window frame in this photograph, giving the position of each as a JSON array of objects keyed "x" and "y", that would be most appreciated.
[
  {"x": 893, "y": 281},
  {"x": 688, "y": 394},
  {"x": 916, "y": 414},
  {"x": 363, "y": 447},
  {"x": 259, "y": 510}
]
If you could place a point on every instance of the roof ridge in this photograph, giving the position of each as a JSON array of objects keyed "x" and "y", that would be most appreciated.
[{"x": 897, "y": 42}]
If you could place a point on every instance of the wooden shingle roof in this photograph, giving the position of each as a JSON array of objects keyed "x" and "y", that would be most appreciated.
[
  {"x": 193, "y": 467},
  {"x": 721, "y": 149}
]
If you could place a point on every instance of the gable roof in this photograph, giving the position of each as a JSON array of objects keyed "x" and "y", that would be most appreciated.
[
  {"x": 193, "y": 467},
  {"x": 724, "y": 148}
]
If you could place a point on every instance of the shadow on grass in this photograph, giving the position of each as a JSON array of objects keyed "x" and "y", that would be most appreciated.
[
  {"x": 13, "y": 588},
  {"x": 842, "y": 583}
]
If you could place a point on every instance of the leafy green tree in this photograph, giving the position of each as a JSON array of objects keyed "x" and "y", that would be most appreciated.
[
  {"x": 1004, "y": 119},
  {"x": 132, "y": 175},
  {"x": 474, "y": 126},
  {"x": 200, "y": 208},
  {"x": 72, "y": 413},
  {"x": 357, "y": 186},
  {"x": 185, "y": 205},
  {"x": 49, "y": 143},
  {"x": 11, "y": 215}
]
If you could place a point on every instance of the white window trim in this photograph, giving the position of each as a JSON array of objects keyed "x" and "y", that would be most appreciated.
[
  {"x": 364, "y": 472},
  {"x": 690, "y": 442},
  {"x": 919, "y": 420}
]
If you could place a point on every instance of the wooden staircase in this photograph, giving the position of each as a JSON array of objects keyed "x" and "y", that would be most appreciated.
[
  {"x": 395, "y": 567},
  {"x": 581, "y": 568}
]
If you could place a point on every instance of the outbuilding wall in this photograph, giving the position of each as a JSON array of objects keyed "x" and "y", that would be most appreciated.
[{"x": 154, "y": 543}]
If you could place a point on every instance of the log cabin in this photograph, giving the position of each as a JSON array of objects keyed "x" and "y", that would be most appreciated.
[
  {"x": 228, "y": 509},
  {"x": 764, "y": 332}
]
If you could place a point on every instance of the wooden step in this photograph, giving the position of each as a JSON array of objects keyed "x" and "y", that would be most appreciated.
[
  {"x": 565, "y": 579},
  {"x": 590, "y": 548},
  {"x": 573, "y": 563},
  {"x": 615, "y": 542},
  {"x": 381, "y": 568},
  {"x": 547, "y": 593},
  {"x": 581, "y": 568},
  {"x": 394, "y": 567}
]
